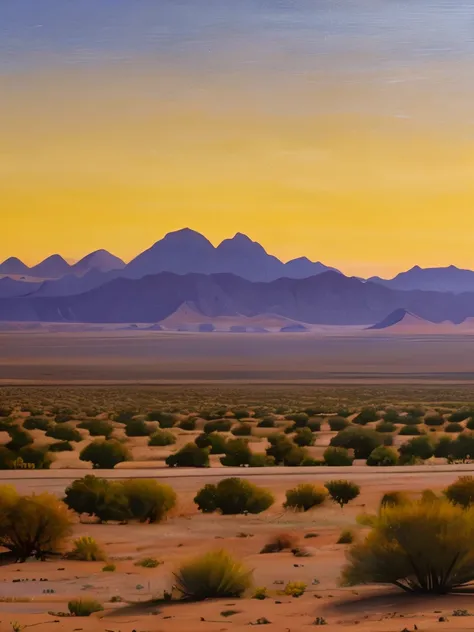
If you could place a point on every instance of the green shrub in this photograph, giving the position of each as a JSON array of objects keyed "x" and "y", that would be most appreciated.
[
  {"x": 188, "y": 424},
  {"x": 215, "y": 441},
  {"x": 453, "y": 426},
  {"x": 460, "y": 415},
  {"x": 148, "y": 500},
  {"x": 7, "y": 458},
  {"x": 308, "y": 461},
  {"x": 337, "y": 423},
  {"x": 300, "y": 419},
  {"x": 105, "y": 454},
  {"x": 36, "y": 423},
  {"x": 461, "y": 492},
  {"x": 410, "y": 431},
  {"x": 344, "y": 412},
  {"x": 211, "y": 576},
  {"x": 335, "y": 457},
  {"x": 242, "y": 430},
  {"x": 32, "y": 525},
  {"x": 421, "y": 447},
  {"x": 109, "y": 568},
  {"x": 267, "y": 422},
  {"x": 425, "y": 547},
  {"x": 138, "y": 428},
  {"x": 305, "y": 496},
  {"x": 124, "y": 416},
  {"x": 84, "y": 607},
  {"x": 97, "y": 427},
  {"x": 98, "y": 497},
  {"x": 314, "y": 425},
  {"x": 162, "y": 438},
  {"x": 61, "y": 446},
  {"x": 64, "y": 432},
  {"x": 261, "y": 460},
  {"x": 18, "y": 439},
  {"x": 217, "y": 425},
  {"x": 463, "y": 446},
  {"x": 86, "y": 549},
  {"x": 295, "y": 456},
  {"x": 385, "y": 426},
  {"x": 260, "y": 593},
  {"x": 434, "y": 420},
  {"x": 240, "y": 413},
  {"x": 233, "y": 496},
  {"x": 280, "y": 446},
  {"x": 62, "y": 418},
  {"x": 346, "y": 537},
  {"x": 342, "y": 491},
  {"x": 392, "y": 416},
  {"x": 148, "y": 562},
  {"x": 189, "y": 456},
  {"x": 382, "y": 456},
  {"x": 362, "y": 440},
  {"x": 165, "y": 419},
  {"x": 409, "y": 420},
  {"x": 366, "y": 416},
  {"x": 237, "y": 453},
  {"x": 39, "y": 457},
  {"x": 303, "y": 437}
]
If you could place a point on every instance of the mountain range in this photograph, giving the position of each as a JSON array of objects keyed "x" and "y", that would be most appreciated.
[
  {"x": 328, "y": 298},
  {"x": 236, "y": 278}
]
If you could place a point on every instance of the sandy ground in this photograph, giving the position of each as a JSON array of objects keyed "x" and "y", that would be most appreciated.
[
  {"x": 151, "y": 357},
  {"x": 187, "y": 533}
]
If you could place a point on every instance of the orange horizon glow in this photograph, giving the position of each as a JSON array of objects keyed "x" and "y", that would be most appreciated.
[{"x": 110, "y": 159}]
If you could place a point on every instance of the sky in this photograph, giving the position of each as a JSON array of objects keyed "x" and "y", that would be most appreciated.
[{"x": 342, "y": 130}]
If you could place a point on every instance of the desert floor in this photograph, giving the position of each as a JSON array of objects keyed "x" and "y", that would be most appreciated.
[
  {"x": 151, "y": 357},
  {"x": 186, "y": 533}
]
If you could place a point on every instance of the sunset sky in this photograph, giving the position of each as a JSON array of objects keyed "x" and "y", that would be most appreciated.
[{"x": 343, "y": 131}]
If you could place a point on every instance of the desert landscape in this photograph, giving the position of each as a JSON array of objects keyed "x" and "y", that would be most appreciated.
[{"x": 405, "y": 439}]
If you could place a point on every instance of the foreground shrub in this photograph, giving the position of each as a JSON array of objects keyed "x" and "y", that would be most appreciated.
[
  {"x": 189, "y": 456},
  {"x": 105, "y": 454},
  {"x": 337, "y": 457},
  {"x": 233, "y": 496},
  {"x": 33, "y": 525},
  {"x": 444, "y": 447},
  {"x": 212, "y": 576},
  {"x": 98, "y": 497},
  {"x": 419, "y": 547},
  {"x": 188, "y": 424},
  {"x": 162, "y": 438},
  {"x": 385, "y": 426},
  {"x": 346, "y": 537},
  {"x": 461, "y": 492},
  {"x": 460, "y": 415},
  {"x": 148, "y": 500},
  {"x": 394, "y": 499},
  {"x": 86, "y": 549},
  {"x": 342, "y": 491},
  {"x": 410, "y": 431},
  {"x": 382, "y": 456},
  {"x": 362, "y": 440},
  {"x": 84, "y": 607},
  {"x": 267, "y": 422},
  {"x": 295, "y": 457},
  {"x": 305, "y": 496},
  {"x": 242, "y": 430},
  {"x": 295, "y": 589},
  {"x": 280, "y": 542},
  {"x": 97, "y": 427},
  {"x": 148, "y": 562}
]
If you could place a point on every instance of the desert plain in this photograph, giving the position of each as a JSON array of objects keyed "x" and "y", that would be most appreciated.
[{"x": 96, "y": 374}]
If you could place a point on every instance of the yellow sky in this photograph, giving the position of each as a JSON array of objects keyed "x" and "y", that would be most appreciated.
[{"x": 370, "y": 177}]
